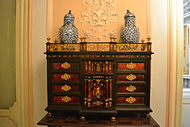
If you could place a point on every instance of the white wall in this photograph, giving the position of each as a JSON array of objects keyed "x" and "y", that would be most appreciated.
[
  {"x": 39, "y": 58},
  {"x": 159, "y": 60}
]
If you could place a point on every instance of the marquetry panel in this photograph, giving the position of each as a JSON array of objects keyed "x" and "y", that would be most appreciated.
[{"x": 98, "y": 66}]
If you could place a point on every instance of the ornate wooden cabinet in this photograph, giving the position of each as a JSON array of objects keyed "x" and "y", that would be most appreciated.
[{"x": 98, "y": 79}]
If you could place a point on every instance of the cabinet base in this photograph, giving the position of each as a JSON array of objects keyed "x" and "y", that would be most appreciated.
[{"x": 60, "y": 121}]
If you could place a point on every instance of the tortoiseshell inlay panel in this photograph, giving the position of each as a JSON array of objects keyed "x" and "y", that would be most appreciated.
[
  {"x": 65, "y": 77},
  {"x": 131, "y": 66},
  {"x": 131, "y": 77},
  {"x": 66, "y": 99},
  {"x": 130, "y": 100},
  {"x": 60, "y": 88},
  {"x": 65, "y": 66},
  {"x": 126, "y": 89}
]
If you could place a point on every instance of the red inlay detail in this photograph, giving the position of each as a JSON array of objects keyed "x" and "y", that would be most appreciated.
[
  {"x": 73, "y": 77},
  {"x": 123, "y": 89},
  {"x": 58, "y": 99},
  {"x": 139, "y": 77},
  {"x": 74, "y": 88},
  {"x": 138, "y": 66},
  {"x": 122, "y": 100}
]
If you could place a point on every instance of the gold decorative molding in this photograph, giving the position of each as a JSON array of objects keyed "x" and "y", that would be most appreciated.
[
  {"x": 143, "y": 47},
  {"x": 131, "y": 77},
  {"x": 65, "y": 65},
  {"x": 98, "y": 47},
  {"x": 66, "y": 76},
  {"x": 66, "y": 88},
  {"x": 63, "y": 47},
  {"x": 131, "y": 65},
  {"x": 131, "y": 88},
  {"x": 130, "y": 100},
  {"x": 66, "y": 99},
  {"x": 106, "y": 46},
  {"x": 96, "y": 18}
]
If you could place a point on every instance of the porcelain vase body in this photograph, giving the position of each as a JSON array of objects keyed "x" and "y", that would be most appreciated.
[
  {"x": 130, "y": 33},
  {"x": 68, "y": 32}
]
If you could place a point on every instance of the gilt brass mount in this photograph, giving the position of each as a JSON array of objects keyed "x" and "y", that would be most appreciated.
[
  {"x": 130, "y": 100},
  {"x": 131, "y": 88},
  {"x": 66, "y": 99},
  {"x": 66, "y": 88},
  {"x": 65, "y": 65},
  {"x": 131, "y": 65},
  {"x": 66, "y": 76},
  {"x": 131, "y": 77}
]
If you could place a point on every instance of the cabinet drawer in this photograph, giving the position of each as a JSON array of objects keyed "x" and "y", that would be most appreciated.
[
  {"x": 130, "y": 100},
  {"x": 131, "y": 77},
  {"x": 65, "y": 88},
  {"x": 66, "y": 99},
  {"x": 121, "y": 66},
  {"x": 66, "y": 66},
  {"x": 65, "y": 77},
  {"x": 130, "y": 88}
]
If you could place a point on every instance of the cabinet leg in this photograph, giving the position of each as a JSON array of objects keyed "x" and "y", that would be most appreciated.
[
  {"x": 49, "y": 114},
  {"x": 113, "y": 119},
  {"x": 82, "y": 118}
]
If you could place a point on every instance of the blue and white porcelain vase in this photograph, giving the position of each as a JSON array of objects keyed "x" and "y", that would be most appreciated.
[
  {"x": 130, "y": 33},
  {"x": 68, "y": 32}
]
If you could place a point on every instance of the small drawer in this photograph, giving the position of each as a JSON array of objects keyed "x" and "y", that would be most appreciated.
[
  {"x": 131, "y": 77},
  {"x": 65, "y": 99},
  {"x": 66, "y": 88},
  {"x": 130, "y": 66},
  {"x": 130, "y": 88},
  {"x": 130, "y": 100},
  {"x": 71, "y": 66},
  {"x": 65, "y": 77}
]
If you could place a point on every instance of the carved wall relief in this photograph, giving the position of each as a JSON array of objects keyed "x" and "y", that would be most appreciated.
[{"x": 96, "y": 19}]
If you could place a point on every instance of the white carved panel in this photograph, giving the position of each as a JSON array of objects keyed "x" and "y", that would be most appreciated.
[{"x": 99, "y": 19}]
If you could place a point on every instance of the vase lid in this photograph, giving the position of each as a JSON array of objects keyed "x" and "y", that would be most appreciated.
[
  {"x": 129, "y": 14},
  {"x": 69, "y": 16}
]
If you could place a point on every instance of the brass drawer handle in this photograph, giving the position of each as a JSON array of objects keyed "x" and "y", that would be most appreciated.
[
  {"x": 130, "y": 100},
  {"x": 66, "y": 88},
  {"x": 131, "y": 77},
  {"x": 66, "y": 76},
  {"x": 65, "y": 65},
  {"x": 131, "y": 65},
  {"x": 131, "y": 88},
  {"x": 66, "y": 99}
]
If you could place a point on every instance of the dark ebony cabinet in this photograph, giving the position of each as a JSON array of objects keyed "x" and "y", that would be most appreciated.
[{"x": 98, "y": 79}]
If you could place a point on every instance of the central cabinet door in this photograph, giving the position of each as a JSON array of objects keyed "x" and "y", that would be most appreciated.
[{"x": 98, "y": 82}]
